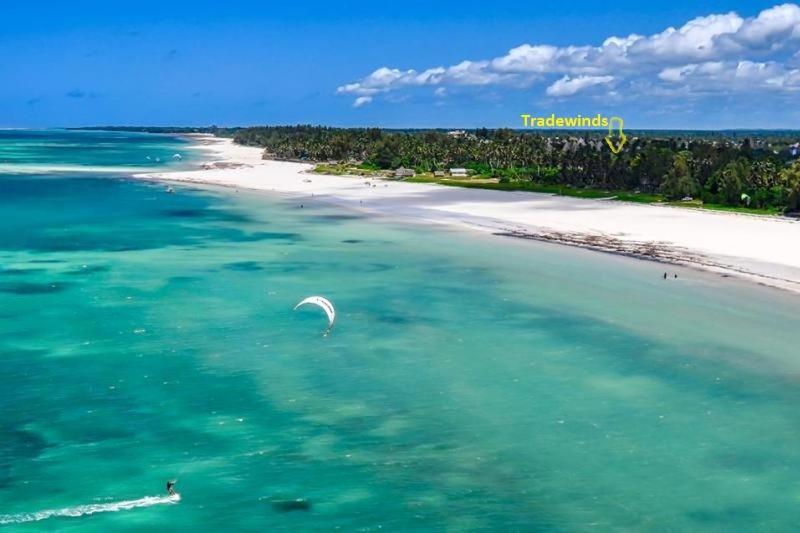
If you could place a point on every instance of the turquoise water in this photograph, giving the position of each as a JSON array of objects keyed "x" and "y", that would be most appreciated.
[
  {"x": 37, "y": 151},
  {"x": 471, "y": 382}
]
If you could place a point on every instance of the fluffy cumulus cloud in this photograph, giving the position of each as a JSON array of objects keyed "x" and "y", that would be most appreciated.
[
  {"x": 567, "y": 86},
  {"x": 739, "y": 76},
  {"x": 717, "y": 53}
]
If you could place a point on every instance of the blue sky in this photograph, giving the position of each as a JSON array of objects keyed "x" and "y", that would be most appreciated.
[{"x": 398, "y": 64}]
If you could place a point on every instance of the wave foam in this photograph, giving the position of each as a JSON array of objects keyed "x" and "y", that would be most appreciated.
[{"x": 90, "y": 509}]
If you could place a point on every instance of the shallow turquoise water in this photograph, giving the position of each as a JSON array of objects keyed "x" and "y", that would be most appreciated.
[
  {"x": 471, "y": 382},
  {"x": 37, "y": 151}
]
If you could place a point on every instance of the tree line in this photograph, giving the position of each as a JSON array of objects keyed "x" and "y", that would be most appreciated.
[{"x": 760, "y": 171}]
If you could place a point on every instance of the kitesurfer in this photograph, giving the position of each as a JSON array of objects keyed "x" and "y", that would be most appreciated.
[
  {"x": 326, "y": 306},
  {"x": 171, "y": 488}
]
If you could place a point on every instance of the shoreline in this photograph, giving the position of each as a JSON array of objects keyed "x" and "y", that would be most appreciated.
[{"x": 729, "y": 244}]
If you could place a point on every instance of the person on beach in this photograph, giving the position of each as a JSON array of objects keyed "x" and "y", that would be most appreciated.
[
  {"x": 665, "y": 275},
  {"x": 171, "y": 488}
]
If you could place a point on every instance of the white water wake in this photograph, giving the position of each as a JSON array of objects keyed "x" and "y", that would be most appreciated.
[{"x": 90, "y": 509}]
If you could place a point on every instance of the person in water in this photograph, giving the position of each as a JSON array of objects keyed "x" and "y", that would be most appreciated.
[{"x": 171, "y": 488}]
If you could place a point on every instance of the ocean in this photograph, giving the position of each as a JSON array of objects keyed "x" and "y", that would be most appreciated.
[{"x": 470, "y": 383}]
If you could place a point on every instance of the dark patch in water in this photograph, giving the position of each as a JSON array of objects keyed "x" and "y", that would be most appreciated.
[
  {"x": 244, "y": 266},
  {"x": 21, "y": 271},
  {"x": 185, "y": 213},
  {"x": 352, "y": 241},
  {"x": 288, "y": 506},
  {"x": 289, "y": 267},
  {"x": 394, "y": 319},
  {"x": 207, "y": 214},
  {"x": 336, "y": 218},
  {"x": 80, "y": 243},
  {"x": 285, "y": 267},
  {"x": 17, "y": 445},
  {"x": 89, "y": 269},
  {"x": 267, "y": 236},
  {"x": 733, "y": 516},
  {"x": 183, "y": 279},
  {"x": 32, "y": 288},
  {"x": 748, "y": 462},
  {"x": 374, "y": 267},
  {"x": 47, "y": 261},
  {"x": 146, "y": 238}
]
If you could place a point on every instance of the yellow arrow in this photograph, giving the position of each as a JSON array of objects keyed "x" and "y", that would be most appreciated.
[{"x": 615, "y": 145}]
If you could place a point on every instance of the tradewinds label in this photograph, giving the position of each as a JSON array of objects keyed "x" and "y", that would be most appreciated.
[
  {"x": 615, "y": 139},
  {"x": 577, "y": 121}
]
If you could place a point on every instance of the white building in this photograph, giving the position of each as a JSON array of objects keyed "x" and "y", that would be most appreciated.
[
  {"x": 404, "y": 173},
  {"x": 458, "y": 172}
]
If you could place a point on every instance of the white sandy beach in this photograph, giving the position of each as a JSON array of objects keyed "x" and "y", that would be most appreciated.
[{"x": 760, "y": 248}]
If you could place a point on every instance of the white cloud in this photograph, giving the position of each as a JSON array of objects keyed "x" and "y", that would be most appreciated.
[
  {"x": 712, "y": 49},
  {"x": 470, "y": 73},
  {"x": 771, "y": 28},
  {"x": 682, "y": 73},
  {"x": 697, "y": 39},
  {"x": 567, "y": 86},
  {"x": 526, "y": 58},
  {"x": 734, "y": 76},
  {"x": 362, "y": 101}
]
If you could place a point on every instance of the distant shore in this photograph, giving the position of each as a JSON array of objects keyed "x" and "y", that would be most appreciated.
[{"x": 759, "y": 248}]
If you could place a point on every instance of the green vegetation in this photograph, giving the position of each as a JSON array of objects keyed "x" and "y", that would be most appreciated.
[
  {"x": 339, "y": 169},
  {"x": 757, "y": 173},
  {"x": 531, "y": 186},
  {"x": 750, "y": 171},
  {"x": 733, "y": 209}
]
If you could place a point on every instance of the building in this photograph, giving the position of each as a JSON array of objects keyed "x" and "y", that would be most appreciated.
[
  {"x": 403, "y": 173},
  {"x": 458, "y": 172}
]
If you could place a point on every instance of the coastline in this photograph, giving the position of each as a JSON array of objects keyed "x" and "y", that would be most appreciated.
[{"x": 730, "y": 244}]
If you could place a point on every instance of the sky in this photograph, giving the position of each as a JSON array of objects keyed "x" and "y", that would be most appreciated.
[{"x": 694, "y": 65}]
